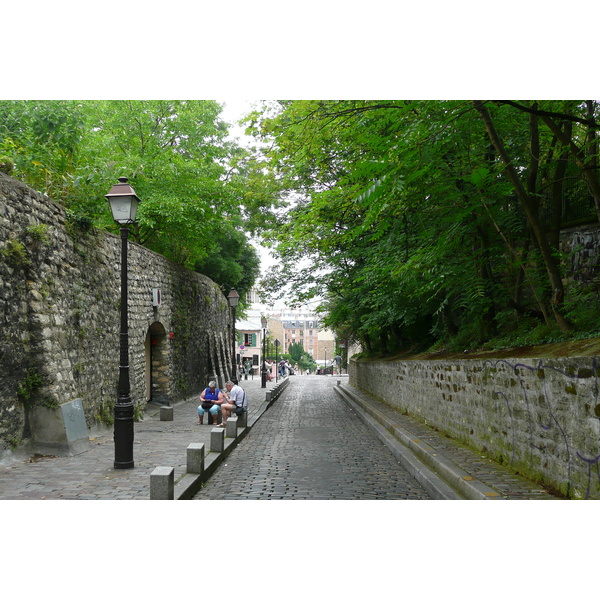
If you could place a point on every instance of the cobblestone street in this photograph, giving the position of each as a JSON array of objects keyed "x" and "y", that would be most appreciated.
[{"x": 309, "y": 445}]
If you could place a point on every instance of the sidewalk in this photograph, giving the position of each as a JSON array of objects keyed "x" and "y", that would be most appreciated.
[
  {"x": 448, "y": 469},
  {"x": 91, "y": 475}
]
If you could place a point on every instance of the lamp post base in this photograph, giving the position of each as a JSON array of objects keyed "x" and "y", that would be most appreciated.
[{"x": 123, "y": 434}]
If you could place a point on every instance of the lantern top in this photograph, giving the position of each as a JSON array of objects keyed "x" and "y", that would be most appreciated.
[
  {"x": 123, "y": 202},
  {"x": 233, "y": 298}
]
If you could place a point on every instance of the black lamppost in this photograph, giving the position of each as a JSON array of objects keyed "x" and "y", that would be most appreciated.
[
  {"x": 263, "y": 383},
  {"x": 233, "y": 298},
  {"x": 123, "y": 204},
  {"x": 277, "y": 342}
]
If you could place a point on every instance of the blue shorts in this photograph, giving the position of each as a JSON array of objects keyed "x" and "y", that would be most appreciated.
[{"x": 213, "y": 410}]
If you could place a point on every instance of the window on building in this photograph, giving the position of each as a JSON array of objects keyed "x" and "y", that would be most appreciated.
[{"x": 249, "y": 339}]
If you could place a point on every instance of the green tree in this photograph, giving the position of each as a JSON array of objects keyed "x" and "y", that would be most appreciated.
[
  {"x": 231, "y": 261},
  {"x": 173, "y": 153},
  {"x": 296, "y": 351},
  {"x": 42, "y": 139},
  {"x": 200, "y": 193},
  {"x": 413, "y": 220},
  {"x": 299, "y": 356}
]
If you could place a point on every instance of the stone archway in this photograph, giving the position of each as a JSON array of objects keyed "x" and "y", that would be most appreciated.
[{"x": 157, "y": 365}]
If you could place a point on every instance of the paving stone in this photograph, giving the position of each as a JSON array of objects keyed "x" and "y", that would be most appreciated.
[{"x": 309, "y": 446}]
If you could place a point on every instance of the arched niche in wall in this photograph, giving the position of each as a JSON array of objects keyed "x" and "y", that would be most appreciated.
[{"x": 157, "y": 365}]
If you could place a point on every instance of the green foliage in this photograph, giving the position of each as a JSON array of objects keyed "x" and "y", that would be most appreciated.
[
  {"x": 15, "y": 254},
  {"x": 77, "y": 224},
  {"x": 296, "y": 351},
  {"x": 231, "y": 261},
  {"x": 39, "y": 233},
  {"x": 414, "y": 230},
  {"x": 138, "y": 412},
  {"x": 29, "y": 387},
  {"x": 200, "y": 193},
  {"x": 582, "y": 307},
  {"x": 105, "y": 412},
  {"x": 6, "y": 165},
  {"x": 42, "y": 139},
  {"x": 297, "y": 355}
]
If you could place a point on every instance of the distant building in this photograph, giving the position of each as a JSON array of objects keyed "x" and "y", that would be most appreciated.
[
  {"x": 289, "y": 326},
  {"x": 249, "y": 343},
  {"x": 300, "y": 328}
]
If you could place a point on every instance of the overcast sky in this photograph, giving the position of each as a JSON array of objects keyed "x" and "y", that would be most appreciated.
[{"x": 234, "y": 110}]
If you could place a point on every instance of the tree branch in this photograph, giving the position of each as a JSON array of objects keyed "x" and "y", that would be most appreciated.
[{"x": 547, "y": 113}]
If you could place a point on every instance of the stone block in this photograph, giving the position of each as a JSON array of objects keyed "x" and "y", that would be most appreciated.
[
  {"x": 231, "y": 427},
  {"x": 217, "y": 439},
  {"x": 162, "y": 483},
  {"x": 242, "y": 420},
  {"x": 195, "y": 458},
  {"x": 75, "y": 426},
  {"x": 63, "y": 430},
  {"x": 166, "y": 413}
]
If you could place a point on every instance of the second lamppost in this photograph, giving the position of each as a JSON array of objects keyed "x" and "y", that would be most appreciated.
[
  {"x": 263, "y": 382},
  {"x": 123, "y": 204},
  {"x": 233, "y": 298}
]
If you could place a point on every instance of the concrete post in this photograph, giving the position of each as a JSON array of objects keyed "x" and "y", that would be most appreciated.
[
  {"x": 166, "y": 413},
  {"x": 231, "y": 427},
  {"x": 195, "y": 459},
  {"x": 162, "y": 483},
  {"x": 242, "y": 420},
  {"x": 217, "y": 439}
]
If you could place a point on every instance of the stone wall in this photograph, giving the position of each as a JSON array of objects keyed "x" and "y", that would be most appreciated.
[
  {"x": 60, "y": 320},
  {"x": 581, "y": 248},
  {"x": 539, "y": 417}
]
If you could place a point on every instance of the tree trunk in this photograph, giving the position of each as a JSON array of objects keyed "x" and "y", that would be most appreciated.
[
  {"x": 557, "y": 192},
  {"x": 585, "y": 162},
  {"x": 529, "y": 208}
]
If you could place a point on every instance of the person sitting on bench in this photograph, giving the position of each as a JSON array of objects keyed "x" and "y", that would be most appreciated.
[{"x": 211, "y": 398}]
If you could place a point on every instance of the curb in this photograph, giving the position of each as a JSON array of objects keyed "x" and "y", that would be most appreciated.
[{"x": 441, "y": 477}]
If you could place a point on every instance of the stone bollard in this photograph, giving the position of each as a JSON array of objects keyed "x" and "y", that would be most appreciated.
[
  {"x": 217, "y": 439},
  {"x": 231, "y": 427},
  {"x": 242, "y": 420},
  {"x": 162, "y": 483},
  {"x": 339, "y": 381},
  {"x": 166, "y": 413},
  {"x": 195, "y": 459}
]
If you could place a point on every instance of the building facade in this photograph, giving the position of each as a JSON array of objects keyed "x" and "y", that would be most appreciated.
[{"x": 300, "y": 328}]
